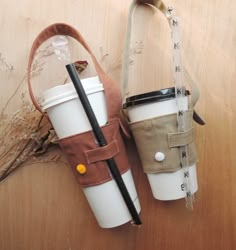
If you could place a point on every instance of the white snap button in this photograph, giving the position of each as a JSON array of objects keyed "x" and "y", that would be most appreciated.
[{"x": 159, "y": 156}]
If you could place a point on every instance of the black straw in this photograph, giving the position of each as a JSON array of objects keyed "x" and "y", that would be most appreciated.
[{"x": 102, "y": 142}]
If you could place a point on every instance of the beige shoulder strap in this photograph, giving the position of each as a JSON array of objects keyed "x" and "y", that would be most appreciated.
[{"x": 124, "y": 75}]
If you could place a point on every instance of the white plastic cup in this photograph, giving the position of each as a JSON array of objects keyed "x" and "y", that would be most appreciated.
[
  {"x": 68, "y": 117},
  {"x": 164, "y": 186}
]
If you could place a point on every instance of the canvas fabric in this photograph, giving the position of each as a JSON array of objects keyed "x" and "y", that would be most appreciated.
[
  {"x": 83, "y": 148},
  {"x": 160, "y": 134}
]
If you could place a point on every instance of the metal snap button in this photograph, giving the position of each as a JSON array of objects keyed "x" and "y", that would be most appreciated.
[{"x": 159, "y": 156}]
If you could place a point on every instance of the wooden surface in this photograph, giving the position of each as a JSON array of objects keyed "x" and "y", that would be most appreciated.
[{"x": 41, "y": 205}]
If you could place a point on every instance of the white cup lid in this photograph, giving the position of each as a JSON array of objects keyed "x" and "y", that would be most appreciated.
[{"x": 66, "y": 92}]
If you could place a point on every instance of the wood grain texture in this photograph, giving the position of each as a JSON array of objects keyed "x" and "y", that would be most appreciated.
[{"x": 41, "y": 205}]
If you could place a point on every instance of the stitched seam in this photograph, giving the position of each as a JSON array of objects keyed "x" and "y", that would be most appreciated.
[
  {"x": 172, "y": 137},
  {"x": 107, "y": 156}
]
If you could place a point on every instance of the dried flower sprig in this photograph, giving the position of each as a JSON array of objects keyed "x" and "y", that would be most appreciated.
[
  {"x": 27, "y": 136},
  {"x": 4, "y": 65}
]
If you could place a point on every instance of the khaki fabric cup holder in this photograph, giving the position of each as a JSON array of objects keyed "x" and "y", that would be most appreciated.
[{"x": 160, "y": 134}]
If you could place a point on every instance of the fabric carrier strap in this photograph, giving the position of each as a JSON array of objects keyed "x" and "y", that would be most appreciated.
[
  {"x": 180, "y": 143},
  {"x": 110, "y": 87},
  {"x": 102, "y": 153},
  {"x": 124, "y": 75},
  {"x": 82, "y": 147},
  {"x": 180, "y": 139},
  {"x": 94, "y": 159}
]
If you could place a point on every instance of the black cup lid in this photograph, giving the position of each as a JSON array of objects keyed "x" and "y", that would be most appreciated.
[{"x": 154, "y": 96}]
